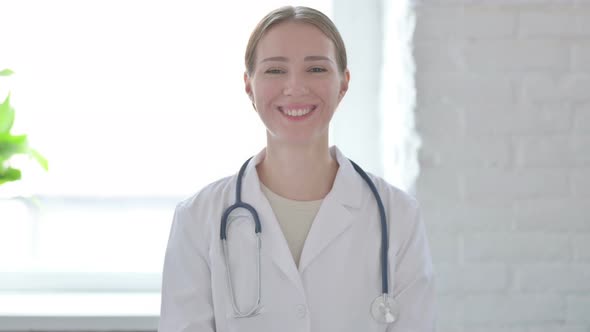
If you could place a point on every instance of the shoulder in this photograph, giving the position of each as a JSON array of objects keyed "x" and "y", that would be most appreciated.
[
  {"x": 194, "y": 219},
  {"x": 393, "y": 195},
  {"x": 401, "y": 208},
  {"x": 207, "y": 202},
  {"x": 403, "y": 215}
]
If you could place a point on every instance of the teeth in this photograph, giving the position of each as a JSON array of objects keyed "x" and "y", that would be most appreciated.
[{"x": 296, "y": 112}]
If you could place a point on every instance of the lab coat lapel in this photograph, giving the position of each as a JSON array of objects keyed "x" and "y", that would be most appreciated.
[
  {"x": 336, "y": 213},
  {"x": 273, "y": 240}
]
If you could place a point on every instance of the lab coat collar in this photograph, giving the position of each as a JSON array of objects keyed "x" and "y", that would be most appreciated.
[
  {"x": 333, "y": 218},
  {"x": 347, "y": 184},
  {"x": 336, "y": 212},
  {"x": 344, "y": 190}
]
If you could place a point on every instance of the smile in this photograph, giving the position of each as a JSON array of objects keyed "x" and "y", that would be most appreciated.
[{"x": 297, "y": 112}]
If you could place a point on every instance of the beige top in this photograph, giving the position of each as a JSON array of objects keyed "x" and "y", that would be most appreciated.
[{"x": 294, "y": 217}]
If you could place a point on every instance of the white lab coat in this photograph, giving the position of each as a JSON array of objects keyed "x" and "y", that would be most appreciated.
[{"x": 338, "y": 277}]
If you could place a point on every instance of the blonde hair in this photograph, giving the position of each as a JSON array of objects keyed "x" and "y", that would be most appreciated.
[{"x": 297, "y": 14}]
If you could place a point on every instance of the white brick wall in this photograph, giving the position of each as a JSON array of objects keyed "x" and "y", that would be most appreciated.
[{"x": 503, "y": 110}]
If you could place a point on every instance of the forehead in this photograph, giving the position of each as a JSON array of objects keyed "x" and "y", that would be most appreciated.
[{"x": 293, "y": 39}]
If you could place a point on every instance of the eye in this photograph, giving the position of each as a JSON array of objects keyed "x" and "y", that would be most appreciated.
[
  {"x": 274, "y": 71},
  {"x": 317, "y": 70}
]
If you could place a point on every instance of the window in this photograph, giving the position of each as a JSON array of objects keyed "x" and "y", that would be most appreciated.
[{"x": 137, "y": 105}]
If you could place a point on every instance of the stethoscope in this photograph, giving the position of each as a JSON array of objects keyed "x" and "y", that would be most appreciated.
[{"x": 384, "y": 308}]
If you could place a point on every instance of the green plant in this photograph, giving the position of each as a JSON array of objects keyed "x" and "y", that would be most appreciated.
[{"x": 11, "y": 145}]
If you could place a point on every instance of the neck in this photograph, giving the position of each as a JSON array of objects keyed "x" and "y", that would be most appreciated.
[{"x": 298, "y": 172}]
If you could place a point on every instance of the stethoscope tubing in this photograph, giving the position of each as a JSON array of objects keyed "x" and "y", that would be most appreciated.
[
  {"x": 239, "y": 204},
  {"x": 383, "y": 218},
  {"x": 258, "y": 229}
]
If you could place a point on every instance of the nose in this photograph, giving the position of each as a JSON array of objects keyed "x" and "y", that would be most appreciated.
[{"x": 295, "y": 86}]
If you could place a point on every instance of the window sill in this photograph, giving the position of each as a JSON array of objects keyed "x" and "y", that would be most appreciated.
[{"x": 79, "y": 311}]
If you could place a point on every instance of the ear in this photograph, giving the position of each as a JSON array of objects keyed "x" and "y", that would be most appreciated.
[
  {"x": 248, "y": 85},
  {"x": 344, "y": 84},
  {"x": 248, "y": 88}
]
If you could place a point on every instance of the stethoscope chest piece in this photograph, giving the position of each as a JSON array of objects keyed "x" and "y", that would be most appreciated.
[{"x": 385, "y": 309}]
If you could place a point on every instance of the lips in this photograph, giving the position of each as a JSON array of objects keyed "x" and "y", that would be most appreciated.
[{"x": 296, "y": 111}]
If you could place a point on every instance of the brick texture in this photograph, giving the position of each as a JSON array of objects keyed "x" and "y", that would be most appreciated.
[{"x": 503, "y": 111}]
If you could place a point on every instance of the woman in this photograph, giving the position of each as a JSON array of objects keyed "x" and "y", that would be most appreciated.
[{"x": 304, "y": 192}]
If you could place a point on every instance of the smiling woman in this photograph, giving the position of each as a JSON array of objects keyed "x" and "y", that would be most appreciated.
[
  {"x": 137, "y": 106},
  {"x": 306, "y": 85},
  {"x": 299, "y": 237}
]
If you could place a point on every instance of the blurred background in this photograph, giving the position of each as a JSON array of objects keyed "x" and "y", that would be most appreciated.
[{"x": 480, "y": 108}]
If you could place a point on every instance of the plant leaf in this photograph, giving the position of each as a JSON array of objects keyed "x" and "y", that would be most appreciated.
[
  {"x": 10, "y": 174},
  {"x": 6, "y": 116},
  {"x": 8, "y": 138},
  {"x": 11, "y": 145},
  {"x": 39, "y": 158},
  {"x": 6, "y": 72}
]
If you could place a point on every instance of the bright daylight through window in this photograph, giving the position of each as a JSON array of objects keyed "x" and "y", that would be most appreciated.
[{"x": 137, "y": 105}]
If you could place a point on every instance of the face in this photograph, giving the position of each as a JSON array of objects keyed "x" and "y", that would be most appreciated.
[{"x": 296, "y": 85}]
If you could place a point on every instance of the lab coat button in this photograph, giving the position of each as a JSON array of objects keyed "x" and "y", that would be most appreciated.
[{"x": 301, "y": 311}]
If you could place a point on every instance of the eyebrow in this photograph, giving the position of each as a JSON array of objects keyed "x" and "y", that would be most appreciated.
[{"x": 307, "y": 58}]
